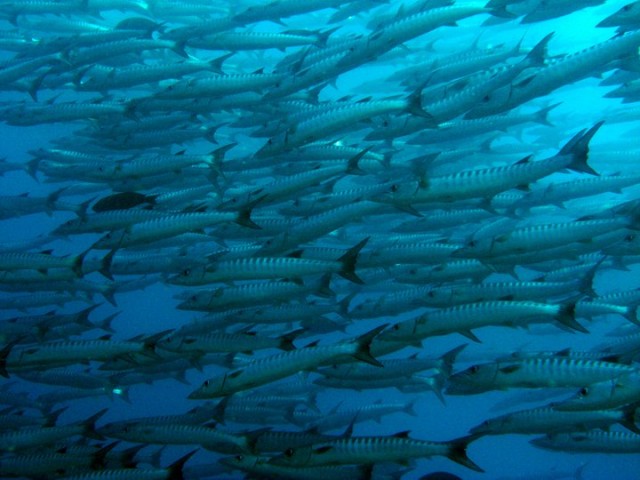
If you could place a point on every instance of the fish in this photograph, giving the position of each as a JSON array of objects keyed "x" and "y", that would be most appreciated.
[{"x": 288, "y": 363}]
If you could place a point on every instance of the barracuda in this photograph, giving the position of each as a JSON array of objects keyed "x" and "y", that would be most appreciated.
[
  {"x": 41, "y": 262},
  {"x": 85, "y": 56},
  {"x": 172, "y": 472},
  {"x": 548, "y": 419},
  {"x": 534, "y": 373},
  {"x": 175, "y": 434},
  {"x": 570, "y": 68},
  {"x": 369, "y": 450},
  {"x": 293, "y": 185},
  {"x": 609, "y": 393},
  {"x": 247, "y": 40},
  {"x": 328, "y": 123},
  {"x": 315, "y": 226},
  {"x": 30, "y": 437},
  {"x": 17, "y": 358},
  {"x": 272, "y": 268},
  {"x": 593, "y": 441},
  {"x": 464, "y": 318},
  {"x": 261, "y": 466},
  {"x": 226, "y": 342},
  {"x": 105, "y": 221},
  {"x": 171, "y": 225},
  {"x": 120, "y": 78},
  {"x": 269, "y": 369},
  {"x": 219, "y": 85},
  {"x": 491, "y": 181},
  {"x": 255, "y": 294},
  {"x": 477, "y": 292}
]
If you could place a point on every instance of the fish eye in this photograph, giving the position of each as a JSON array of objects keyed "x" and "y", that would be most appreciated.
[
  {"x": 584, "y": 392},
  {"x": 396, "y": 327},
  {"x": 630, "y": 238},
  {"x": 186, "y": 272},
  {"x": 239, "y": 458},
  {"x": 431, "y": 294},
  {"x": 206, "y": 383},
  {"x": 472, "y": 243},
  {"x": 289, "y": 452},
  {"x": 474, "y": 369},
  {"x": 394, "y": 188}
]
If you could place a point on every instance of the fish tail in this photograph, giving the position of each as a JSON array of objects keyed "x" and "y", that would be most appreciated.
[
  {"x": 629, "y": 417},
  {"x": 178, "y": 47},
  {"x": 128, "y": 458},
  {"x": 4, "y": 353},
  {"x": 89, "y": 425},
  {"x": 409, "y": 408},
  {"x": 436, "y": 384},
  {"x": 108, "y": 294},
  {"x": 77, "y": 263},
  {"x": 414, "y": 107},
  {"x": 244, "y": 215},
  {"x": 215, "y": 65},
  {"x": 105, "y": 264},
  {"x": 52, "y": 417},
  {"x": 578, "y": 148},
  {"x": 175, "y": 470},
  {"x": 349, "y": 260},
  {"x": 567, "y": 316},
  {"x": 542, "y": 115},
  {"x": 458, "y": 452},
  {"x": 352, "y": 167},
  {"x": 220, "y": 408},
  {"x": 363, "y": 342},
  {"x": 448, "y": 359},
  {"x": 286, "y": 340},
  {"x": 105, "y": 324},
  {"x": 99, "y": 458},
  {"x": 83, "y": 316}
]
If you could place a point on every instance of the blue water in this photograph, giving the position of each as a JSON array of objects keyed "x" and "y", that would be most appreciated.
[{"x": 152, "y": 309}]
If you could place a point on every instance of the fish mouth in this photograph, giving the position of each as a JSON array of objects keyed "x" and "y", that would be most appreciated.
[{"x": 196, "y": 395}]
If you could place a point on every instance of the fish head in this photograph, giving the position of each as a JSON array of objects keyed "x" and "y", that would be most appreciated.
[
  {"x": 402, "y": 331},
  {"x": 492, "y": 425},
  {"x": 241, "y": 462},
  {"x": 294, "y": 457},
  {"x": 176, "y": 343},
  {"x": 111, "y": 240},
  {"x": 120, "y": 430},
  {"x": 210, "y": 388},
  {"x": 188, "y": 276},
  {"x": 474, "y": 248},
  {"x": 627, "y": 15},
  {"x": 475, "y": 379},
  {"x": 195, "y": 301},
  {"x": 595, "y": 396}
]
